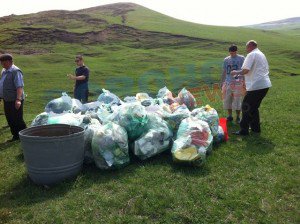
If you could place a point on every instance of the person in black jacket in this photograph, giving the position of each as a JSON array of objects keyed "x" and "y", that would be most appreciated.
[{"x": 81, "y": 77}]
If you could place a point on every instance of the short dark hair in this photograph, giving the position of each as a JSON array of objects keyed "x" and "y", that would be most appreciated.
[
  {"x": 6, "y": 57},
  {"x": 232, "y": 48}
]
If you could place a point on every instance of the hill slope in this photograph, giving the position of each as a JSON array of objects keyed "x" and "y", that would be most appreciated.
[{"x": 133, "y": 26}]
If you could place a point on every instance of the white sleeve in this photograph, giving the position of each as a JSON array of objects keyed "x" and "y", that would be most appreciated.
[{"x": 249, "y": 60}]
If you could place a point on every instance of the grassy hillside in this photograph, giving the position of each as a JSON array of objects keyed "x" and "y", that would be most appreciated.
[{"x": 131, "y": 49}]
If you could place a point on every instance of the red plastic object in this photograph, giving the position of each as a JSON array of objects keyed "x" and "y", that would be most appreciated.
[{"x": 223, "y": 124}]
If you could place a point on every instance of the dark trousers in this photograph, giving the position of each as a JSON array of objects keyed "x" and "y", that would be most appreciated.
[
  {"x": 81, "y": 93},
  {"x": 14, "y": 118},
  {"x": 250, "y": 105}
]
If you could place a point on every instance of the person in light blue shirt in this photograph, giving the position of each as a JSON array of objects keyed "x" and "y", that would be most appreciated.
[
  {"x": 233, "y": 88},
  {"x": 12, "y": 94}
]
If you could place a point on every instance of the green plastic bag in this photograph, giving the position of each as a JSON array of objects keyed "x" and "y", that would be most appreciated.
[{"x": 133, "y": 117}]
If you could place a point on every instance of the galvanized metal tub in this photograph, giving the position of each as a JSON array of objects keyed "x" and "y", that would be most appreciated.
[{"x": 52, "y": 153}]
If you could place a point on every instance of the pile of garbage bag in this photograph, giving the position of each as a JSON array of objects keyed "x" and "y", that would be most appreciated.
[{"x": 144, "y": 125}]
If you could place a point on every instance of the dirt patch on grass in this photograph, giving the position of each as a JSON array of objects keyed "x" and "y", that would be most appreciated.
[
  {"x": 129, "y": 36},
  {"x": 61, "y": 19}
]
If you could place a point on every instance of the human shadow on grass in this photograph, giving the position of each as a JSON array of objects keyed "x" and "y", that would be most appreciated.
[
  {"x": 25, "y": 193},
  {"x": 3, "y": 129},
  {"x": 258, "y": 144},
  {"x": 255, "y": 143},
  {"x": 5, "y": 145},
  {"x": 91, "y": 172}
]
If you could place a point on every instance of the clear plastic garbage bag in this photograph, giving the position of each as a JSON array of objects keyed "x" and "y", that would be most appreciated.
[
  {"x": 174, "y": 119},
  {"x": 193, "y": 140},
  {"x": 210, "y": 115},
  {"x": 88, "y": 137},
  {"x": 130, "y": 99},
  {"x": 66, "y": 118},
  {"x": 41, "y": 119},
  {"x": 156, "y": 139},
  {"x": 60, "y": 105},
  {"x": 109, "y": 98},
  {"x": 142, "y": 96},
  {"x": 133, "y": 117},
  {"x": 77, "y": 106},
  {"x": 185, "y": 97},
  {"x": 110, "y": 147},
  {"x": 166, "y": 95},
  {"x": 104, "y": 113},
  {"x": 92, "y": 106}
]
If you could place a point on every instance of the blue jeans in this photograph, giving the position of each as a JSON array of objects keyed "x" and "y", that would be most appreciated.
[{"x": 81, "y": 93}]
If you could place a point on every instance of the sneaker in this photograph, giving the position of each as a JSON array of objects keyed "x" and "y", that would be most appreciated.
[
  {"x": 238, "y": 120},
  {"x": 229, "y": 118}
]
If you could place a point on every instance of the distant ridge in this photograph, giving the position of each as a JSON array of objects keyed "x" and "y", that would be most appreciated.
[{"x": 290, "y": 23}]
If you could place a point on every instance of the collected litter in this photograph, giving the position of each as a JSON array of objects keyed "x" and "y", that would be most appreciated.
[{"x": 149, "y": 125}]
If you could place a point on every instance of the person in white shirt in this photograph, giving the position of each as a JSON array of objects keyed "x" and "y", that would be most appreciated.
[{"x": 256, "y": 71}]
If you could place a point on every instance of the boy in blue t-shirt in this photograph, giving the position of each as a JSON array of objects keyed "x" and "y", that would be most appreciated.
[{"x": 233, "y": 89}]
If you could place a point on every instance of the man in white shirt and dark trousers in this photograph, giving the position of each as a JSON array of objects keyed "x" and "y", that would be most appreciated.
[{"x": 256, "y": 71}]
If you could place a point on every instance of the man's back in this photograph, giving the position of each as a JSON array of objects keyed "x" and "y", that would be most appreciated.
[{"x": 258, "y": 76}]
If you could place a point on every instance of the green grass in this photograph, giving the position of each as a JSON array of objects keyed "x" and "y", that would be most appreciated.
[{"x": 246, "y": 180}]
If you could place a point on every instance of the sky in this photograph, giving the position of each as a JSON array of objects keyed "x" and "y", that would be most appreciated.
[{"x": 210, "y": 12}]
